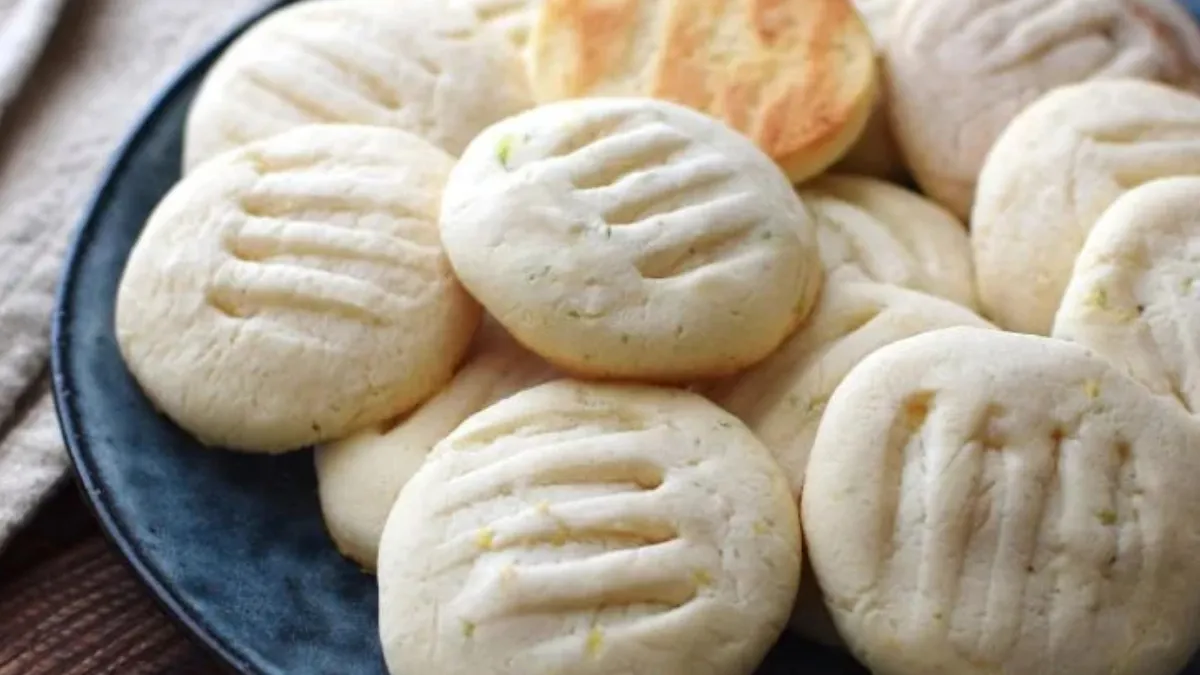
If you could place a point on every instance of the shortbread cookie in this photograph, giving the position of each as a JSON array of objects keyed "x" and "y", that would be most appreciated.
[
  {"x": 631, "y": 238},
  {"x": 783, "y": 398},
  {"x": 359, "y": 477},
  {"x": 1054, "y": 171},
  {"x": 513, "y": 18},
  {"x": 294, "y": 291},
  {"x": 1134, "y": 296},
  {"x": 980, "y": 502},
  {"x": 960, "y": 70},
  {"x": 417, "y": 65},
  {"x": 872, "y": 230},
  {"x": 799, "y": 78},
  {"x": 590, "y": 529}
]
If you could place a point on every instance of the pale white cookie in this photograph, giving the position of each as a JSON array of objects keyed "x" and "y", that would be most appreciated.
[
  {"x": 979, "y": 502},
  {"x": 428, "y": 67},
  {"x": 783, "y": 398},
  {"x": 359, "y": 477},
  {"x": 590, "y": 529},
  {"x": 1134, "y": 296},
  {"x": 872, "y": 230},
  {"x": 631, "y": 238},
  {"x": 294, "y": 291},
  {"x": 960, "y": 70},
  {"x": 1054, "y": 171}
]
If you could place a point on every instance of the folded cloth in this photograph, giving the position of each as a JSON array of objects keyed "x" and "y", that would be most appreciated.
[
  {"x": 100, "y": 67},
  {"x": 24, "y": 28}
]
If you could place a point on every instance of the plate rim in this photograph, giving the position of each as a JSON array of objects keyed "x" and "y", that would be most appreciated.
[{"x": 74, "y": 437}]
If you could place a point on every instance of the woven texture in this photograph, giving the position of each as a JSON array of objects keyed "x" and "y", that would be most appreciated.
[{"x": 69, "y": 606}]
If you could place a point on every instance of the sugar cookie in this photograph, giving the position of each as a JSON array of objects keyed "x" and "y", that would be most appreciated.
[
  {"x": 983, "y": 502},
  {"x": 294, "y": 291},
  {"x": 1134, "y": 296},
  {"x": 359, "y": 477},
  {"x": 872, "y": 230},
  {"x": 590, "y": 529},
  {"x": 799, "y": 78},
  {"x": 417, "y": 65},
  {"x": 960, "y": 70},
  {"x": 631, "y": 238},
  {"x": 1052, "y": 173}
]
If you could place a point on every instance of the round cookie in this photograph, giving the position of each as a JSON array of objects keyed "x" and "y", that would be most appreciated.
[
  {"x": 799, "y": 78},
  {"x": 426, "y": 67},
  {"x": 1134, "y": 297},
  {"x": 958, "y": 71},
  {"x": 872, "y": 230},
  {"x": 783, "y": 398},
  {"x": 983, "y": 502},
  {"x": 1053, "y": 172},
  {"x": 590, "y": 529},
  {"x": 359, "y": 477},
  {"x": 294, "y": 291},
  {"x": 631, "y": 238}
]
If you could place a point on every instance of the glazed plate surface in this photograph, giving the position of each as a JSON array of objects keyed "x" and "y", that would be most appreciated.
[{"x": 232, "y": 545}]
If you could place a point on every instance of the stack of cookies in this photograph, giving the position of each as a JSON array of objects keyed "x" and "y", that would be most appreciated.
[{"x": 595, "y": 310}]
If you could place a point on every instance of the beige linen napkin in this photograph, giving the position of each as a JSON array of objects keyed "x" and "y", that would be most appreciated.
[{"x": 59, "y": 124}]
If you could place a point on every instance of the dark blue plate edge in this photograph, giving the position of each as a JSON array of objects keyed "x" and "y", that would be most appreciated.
[{"x": 73, "y": 437}]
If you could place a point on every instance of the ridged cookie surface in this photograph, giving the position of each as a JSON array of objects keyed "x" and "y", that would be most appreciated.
[
  {"x": 960, "y": 70},
  {"x": 980, "y": 502},
  {"x": 1134, "y": 295},
  {"x": 631, "y": 238},
  {"x": 359, "y": 477},
  {"x": 1052, "y": 174},
  {"x": 590, "y": 529},
  {"x": 872, "y": 230},
  {"x": 294, "y": 291},
  {"x": 432, "y": 68},
  {"x": 799, "y": 78}
]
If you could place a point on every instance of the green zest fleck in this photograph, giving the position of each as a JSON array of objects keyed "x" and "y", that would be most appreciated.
[
  {"x": 767, "y": 235},
  {"x": 468, "y": 628},
  {"x": 625, "y": 338},
  {"x": 574, "y": 314},
  {"x": 503, "y": 150},
  {"x": 1107, "y": 517}
]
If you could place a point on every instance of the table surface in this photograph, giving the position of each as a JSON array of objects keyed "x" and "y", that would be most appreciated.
[{"x": 69, "y": 605}]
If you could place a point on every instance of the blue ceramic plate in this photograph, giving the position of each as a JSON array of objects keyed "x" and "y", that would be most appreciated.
[{"x": 232, "y": 545}]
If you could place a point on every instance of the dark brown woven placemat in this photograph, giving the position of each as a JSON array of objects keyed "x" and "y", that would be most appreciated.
[{"x": 70, "y": 606}]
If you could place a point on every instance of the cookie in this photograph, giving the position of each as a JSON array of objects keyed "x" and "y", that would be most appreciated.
[
  {"x": 1134, "y": 295},
  {"x": 359, "y": 477},
  {"x": 430, "y": 68},
  {"x": 960, "y": 70},
  {"x": 294, "y": 291},
  {"x": 872, "y": 230},
  {"x": 984, "y": 502},
  {"x": 1053, "y": 172},
  {"x": 631, "y": 238},
  {"x": 799, "y": 78},
  {"x": 590, "y": 528}
]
